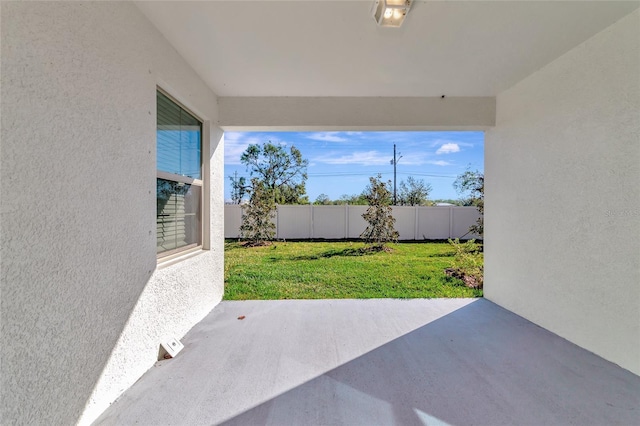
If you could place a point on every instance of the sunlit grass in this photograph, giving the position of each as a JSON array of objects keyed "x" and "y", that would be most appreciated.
[{"x": 340, "y": 270}]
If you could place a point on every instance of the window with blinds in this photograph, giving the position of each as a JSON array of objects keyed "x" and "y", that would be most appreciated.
[{"x": 179, "y": 178}]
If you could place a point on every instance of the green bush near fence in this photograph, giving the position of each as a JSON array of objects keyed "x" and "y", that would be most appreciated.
[{"x": 340, "y": 270}]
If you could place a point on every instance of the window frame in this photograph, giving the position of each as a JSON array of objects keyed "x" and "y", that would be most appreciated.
[{"x": 173, "y": 254}]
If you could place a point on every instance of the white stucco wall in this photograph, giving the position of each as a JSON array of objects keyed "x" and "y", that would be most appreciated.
[
  {"x": 361, "y": 113},
  {"x": 84, "y": 305},
  {"x": 562, "y": 215}
]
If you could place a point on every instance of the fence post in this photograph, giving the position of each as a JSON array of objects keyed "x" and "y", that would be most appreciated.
[
  {"x": 346, "y": 221},
  {"x": 277, "y": 222},
  {"x": 311, "y": 224},
  {"x": 416, "y": 217},
  {"x": 450, "y": 221}
]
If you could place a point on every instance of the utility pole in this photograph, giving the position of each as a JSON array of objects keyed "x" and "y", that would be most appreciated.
[
  {"x": 233, "y": 187},
  {"x": 237, "y": 188},
  {"x": 395, "y": 163}
]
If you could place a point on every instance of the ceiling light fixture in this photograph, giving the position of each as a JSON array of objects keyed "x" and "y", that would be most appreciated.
[{"x": 390, "y": 13}]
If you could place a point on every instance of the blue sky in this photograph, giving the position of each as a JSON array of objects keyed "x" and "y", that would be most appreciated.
[{"x": 342, "y": 162}]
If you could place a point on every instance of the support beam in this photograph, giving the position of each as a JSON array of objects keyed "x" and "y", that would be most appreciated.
[{"x": 363, "y": 113}]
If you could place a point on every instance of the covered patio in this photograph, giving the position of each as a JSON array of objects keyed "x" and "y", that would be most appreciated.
[
  {"x": 86, "y": 301},
  {"x": 378, "y": 361}
]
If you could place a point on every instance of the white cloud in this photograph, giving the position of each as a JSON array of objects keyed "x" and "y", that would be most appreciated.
[
  {"x": 439, "y": 163},
  {"x": 413, "y": 159},
  {"x": 232, "y": 153},
  {"x": 440, "y": 142},
  {"x": 448, "y": 148},
  {"x": 235, "y": 144},
  {"x": 363, "y": 158},
  {"x": 327, "y": 137},
  {"x": 369, "y": 158}
]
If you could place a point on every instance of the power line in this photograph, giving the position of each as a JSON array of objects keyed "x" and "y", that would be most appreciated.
[
  {"x": 338, "y": 174},
  {"x": 371, "y": 173}
]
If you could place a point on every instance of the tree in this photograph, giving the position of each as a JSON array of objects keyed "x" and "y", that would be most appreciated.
[
  {"x": 322, "y": 200},
  {"x": 352, "y": 200},
  {"x": 445, "y": 200},
  {"x": 380, "y": 229},
  {"x": 283, "y": 174},
  {"x": 470, "y": 185},
  {"x": 257, "y": 216},
  {"x": 290, "y": 195},
  {"x": 414, "y": 192},
  {"x": 238, "y": 188}
]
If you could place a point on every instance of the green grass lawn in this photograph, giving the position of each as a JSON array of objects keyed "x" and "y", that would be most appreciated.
[{"x": 339, "y": 270}]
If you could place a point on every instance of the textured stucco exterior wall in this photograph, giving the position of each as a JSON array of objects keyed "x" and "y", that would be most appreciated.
[
  {"x": 84, "y": 304},
  {"x": 562, "y": 215}
]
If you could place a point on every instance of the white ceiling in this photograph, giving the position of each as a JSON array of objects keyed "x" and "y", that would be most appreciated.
[{"x": 334, "y": 48}]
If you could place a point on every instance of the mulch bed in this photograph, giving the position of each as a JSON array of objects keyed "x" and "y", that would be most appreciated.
[{"x": 468, "y": 280}]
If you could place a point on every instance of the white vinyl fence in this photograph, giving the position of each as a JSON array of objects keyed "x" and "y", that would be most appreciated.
[{"x": 340, "y": 222}]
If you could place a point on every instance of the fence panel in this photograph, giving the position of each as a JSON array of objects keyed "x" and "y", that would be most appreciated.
[
  {"x": 232, "y": 220},
  {"x": 329, "y": 222},
  {"x": 294, "y": 222},
  {"x": 405, "y": 222},
  {"x": 357, "y": 224},
  {"x": 433, "y": 223},
  {"x": 338, "y": 222},
  {"x": 463, "y": 218}
]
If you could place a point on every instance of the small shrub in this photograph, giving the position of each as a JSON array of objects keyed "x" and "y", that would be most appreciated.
[
  {"x": 257, "y": 216},
  {"x": 472, "y": 184},
  {"x": 380, "y": 229},
  {"x": 468, "y": 263}
]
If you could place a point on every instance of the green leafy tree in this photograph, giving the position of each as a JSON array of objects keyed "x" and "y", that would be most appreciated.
[
  {"x": 470, "y": 185},
  {"x": 290, "y": 195},
  {"x": 352, "y": 200},
  {"x": 380, "y": 229},
  {"x": 257, "y": 216},
  {"x": 322, "y": 200},
  {"x": 282, "y": 173},
  {"x": 414, "y": 192}
]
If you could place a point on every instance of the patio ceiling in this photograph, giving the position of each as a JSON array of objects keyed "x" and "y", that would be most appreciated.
[{"x": 334, "y": 48}]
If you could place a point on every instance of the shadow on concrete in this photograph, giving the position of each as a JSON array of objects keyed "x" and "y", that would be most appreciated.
[
  {"x": 332, "y": 362},
  {"x": 479, "y": 365}
]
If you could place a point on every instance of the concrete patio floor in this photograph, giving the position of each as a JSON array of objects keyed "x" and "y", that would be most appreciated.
[{"x": 382, "y": 361}]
